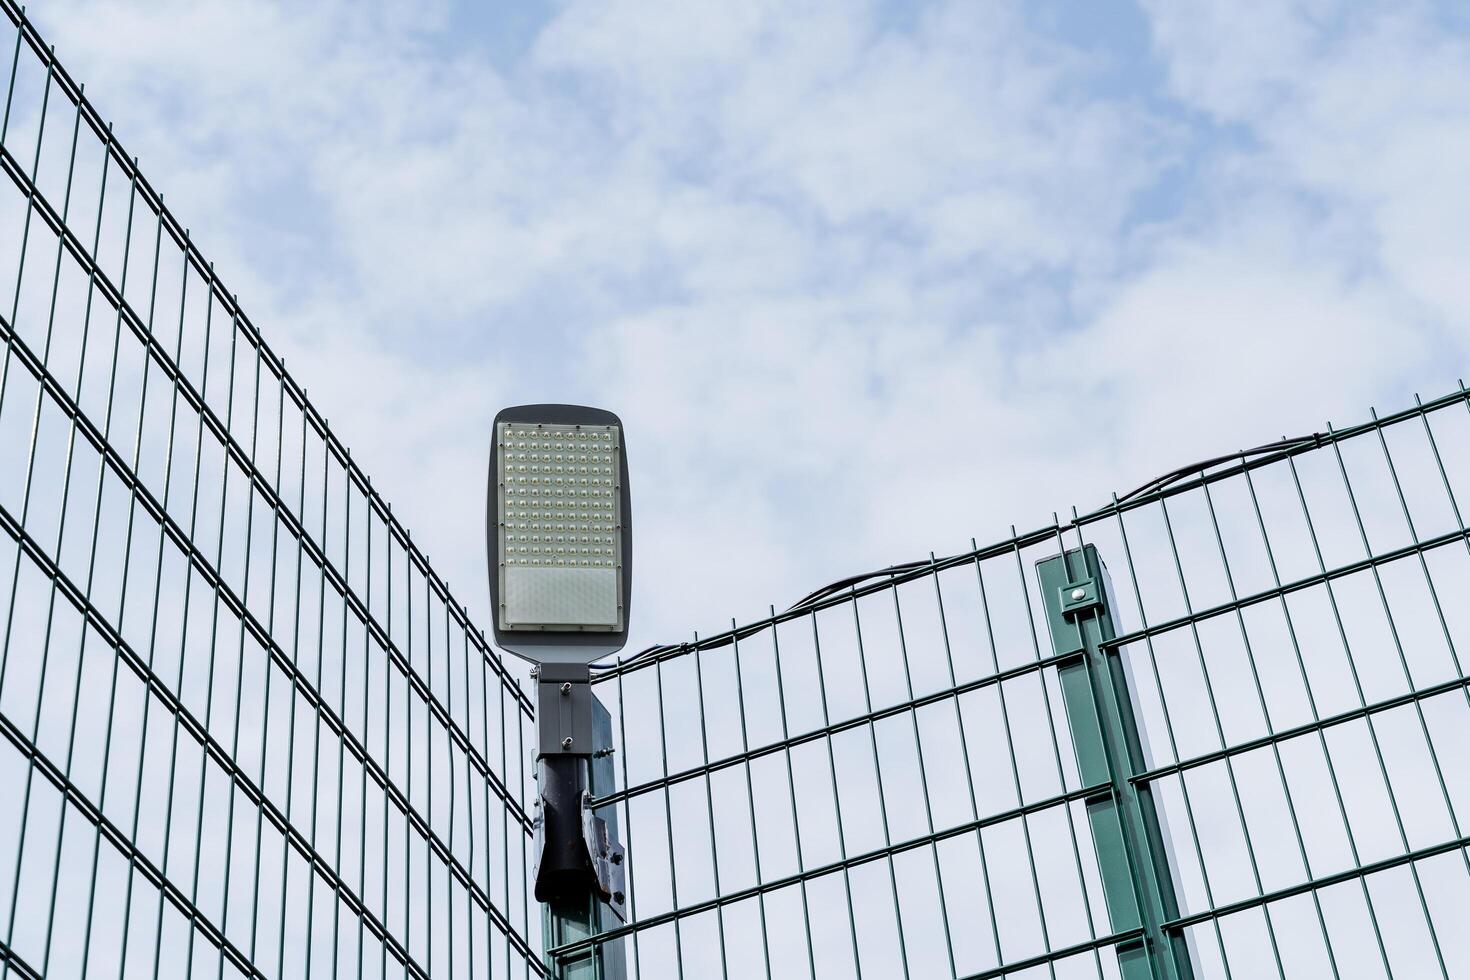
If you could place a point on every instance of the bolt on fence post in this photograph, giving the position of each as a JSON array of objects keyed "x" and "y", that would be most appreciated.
[{"x": 1127, "y": 829}]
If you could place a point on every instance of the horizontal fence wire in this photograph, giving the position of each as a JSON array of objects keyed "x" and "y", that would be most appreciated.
[
  {"x": 884, "y": 784},
  {"x": 247, "y": 729}
]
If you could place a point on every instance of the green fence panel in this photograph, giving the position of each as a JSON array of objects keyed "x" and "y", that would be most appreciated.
[
  {"x": 1239, "y": 756},
  {"x": 247, "y": 730}
]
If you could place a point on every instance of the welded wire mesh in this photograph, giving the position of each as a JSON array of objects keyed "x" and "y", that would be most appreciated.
[
  {"x": 1298, "y": 652},
  {"x": 887, "y": 785},
  {"x": 247, "y": 731},
  {"x": 881, "y": 787}
]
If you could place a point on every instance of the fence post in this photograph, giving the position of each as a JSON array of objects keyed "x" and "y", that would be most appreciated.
[
  {"x": 569, "y": 920},
  {"x": 1126, "y": 829}
]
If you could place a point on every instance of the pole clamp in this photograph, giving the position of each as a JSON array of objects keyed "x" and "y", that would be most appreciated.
[
  {"x": 606, "y": 856},
  {"x": 1076, "y": 598}
]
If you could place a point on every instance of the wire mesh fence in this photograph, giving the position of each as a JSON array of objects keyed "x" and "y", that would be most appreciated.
[
  {"x": 896, "y": 782},
  {"x": 248, "y": 731}
]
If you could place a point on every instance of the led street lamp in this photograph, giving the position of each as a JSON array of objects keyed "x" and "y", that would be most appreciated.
[
  {"x": 560, "y": 542},
  {"x": 560, "y": 534}
]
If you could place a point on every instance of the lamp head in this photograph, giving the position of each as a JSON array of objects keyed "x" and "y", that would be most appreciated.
[{"x": 559, "y": 533}]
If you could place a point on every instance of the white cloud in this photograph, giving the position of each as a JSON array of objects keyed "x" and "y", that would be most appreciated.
[
  {"x": 860, "y": 290},
  {"x": 1356, "y": 107},
  {"x": 1239, "y": 60}
]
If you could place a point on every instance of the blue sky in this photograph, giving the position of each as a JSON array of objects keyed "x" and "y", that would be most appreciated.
[{"x": 864, "y": 280}]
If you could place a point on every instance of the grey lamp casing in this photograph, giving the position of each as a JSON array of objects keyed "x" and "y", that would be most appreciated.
[{"x": 551, "y": 645}]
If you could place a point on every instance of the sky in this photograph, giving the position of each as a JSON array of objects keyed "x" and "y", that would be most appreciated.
[{"x": 864, "y": 280}]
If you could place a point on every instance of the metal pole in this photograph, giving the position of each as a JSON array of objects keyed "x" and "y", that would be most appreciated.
[
  {"x": 579, "y": 873},
  {"x": 1127, "y": 830}
]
